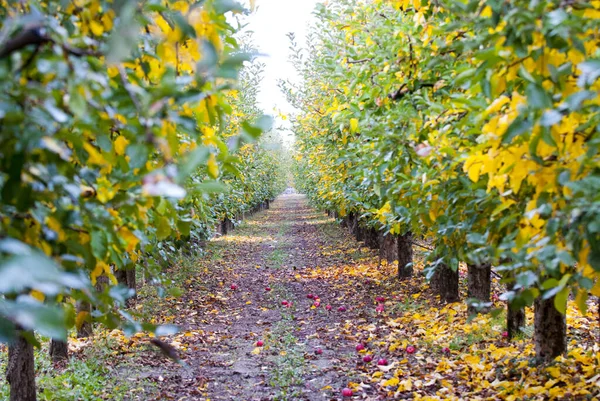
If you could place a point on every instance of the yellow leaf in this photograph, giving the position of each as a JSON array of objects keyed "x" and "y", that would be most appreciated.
[
  {"x": 97, "y": 272},
  {"x": 130, "y": 239},
  {"x": 96, "y": 27},
  {"x": 391, "y": 382},
  {"x": 353, "y": 125},
  {"x": 256, "y": 351},
  {"x": 213, "y": 168},
  {"x": 120, "y": 145},
  {"x": 37, "y": 295},
  {"x": 473, "y": 172},
  {"x": 80, "y": 318}
]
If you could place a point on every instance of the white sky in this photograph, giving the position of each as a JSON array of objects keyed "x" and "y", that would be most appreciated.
[{"x": 271, "y": 22}]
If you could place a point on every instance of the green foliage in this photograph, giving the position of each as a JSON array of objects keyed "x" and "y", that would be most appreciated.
[{"x": 473, "y": 124}]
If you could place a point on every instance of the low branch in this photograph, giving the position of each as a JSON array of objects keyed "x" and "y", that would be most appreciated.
[
  {"x": 403, "y": 90},
  {"x": 33, "y": 36},
  {"x": 362, "y": 60},
  {"x": 25, "y": 38}
]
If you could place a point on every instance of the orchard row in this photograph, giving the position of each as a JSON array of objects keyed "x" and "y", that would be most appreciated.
[
  {"x": 127, "y": 130},
  {"x": 471, "y": 126}
]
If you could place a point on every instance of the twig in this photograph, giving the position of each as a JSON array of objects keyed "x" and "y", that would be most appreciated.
[
  {"x": 422, "y": 246},
  {"x": 362, "y": 60}
]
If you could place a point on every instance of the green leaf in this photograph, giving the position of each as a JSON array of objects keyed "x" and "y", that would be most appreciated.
[
  {"x": 560, "y": 300},
  {"x": 99, "y": 242},
  {"x": 163, "y": 228}
]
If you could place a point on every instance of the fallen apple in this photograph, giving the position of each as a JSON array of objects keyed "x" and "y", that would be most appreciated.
[
  {"x": 360, "y": 347},
  {"x": 367, "y": 358},
  {"x": 410, "y": 349},
  {"x": 285, "y": 303},
  {"x": 342, "y": 309},
  {"x": 317, "y": 304},
  {"x": 505, "y": 334},
  {"x": 446, "y": 350},
  {"x": 234, "y": 287},
  {"x": 267, "y": 288},
  {"x": 380, "y": 299},
  {"x": 318, "y": 351},
  {"x": 310, "y": 296},
  {"x": 347, "y": 392},
  {"x": 328, "y": 307},
  {"x": 259, "y": 343},
  {"x": 382, "y": 362}
]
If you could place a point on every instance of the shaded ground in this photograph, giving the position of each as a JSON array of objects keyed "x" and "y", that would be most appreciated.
[{"x": 274, "y": 260}]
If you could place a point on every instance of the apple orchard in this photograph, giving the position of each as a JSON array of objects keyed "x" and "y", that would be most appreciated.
[{"x": 457, "y": 141}]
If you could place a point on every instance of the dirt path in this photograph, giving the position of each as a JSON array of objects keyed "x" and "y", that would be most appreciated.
[{"x": 273, "y": 260}]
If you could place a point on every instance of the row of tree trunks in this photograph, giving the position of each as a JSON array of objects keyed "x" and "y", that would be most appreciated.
[
  {"x": 549, "y": 324},
  {"x": 226, "y": 225}
]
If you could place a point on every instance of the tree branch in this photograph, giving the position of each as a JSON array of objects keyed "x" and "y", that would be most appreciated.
[
  {"x": 403, "y": 90},
  {"x": 33, "y": 36},
  {"x": 362, "y": 60}
]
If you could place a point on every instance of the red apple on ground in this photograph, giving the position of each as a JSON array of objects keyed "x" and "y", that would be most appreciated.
[
  {"x": 284, "y": 303},
  {"x": 310, "y": 296},
  {"x": 367, "y": 358},
  {"x": 318, "y": 351},
  {"x": 342, "y": 309},
  {"x": 267, "y": 288},
  {"x": 347, "y": 392},
  {"x": 234, "y": 286},
  {"x": 259, "y": 343},
  {"x": 380, "y": 299},
  {"x": 505, "y": 334},
  {"x": 410, "y": 349},
  {"x": 360, "y": 347},
  {"x": 317, "y": 304},
  {"x": 328, "y": 307},
  {"x": 380, "y": 308},
  {"x": 382, "y": 362},
  {"x": 446, "y": 350}
]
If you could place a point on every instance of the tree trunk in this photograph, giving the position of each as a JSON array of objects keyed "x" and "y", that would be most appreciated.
[
  {"x": 515, "y": 318},
  {"x": 59, "y": 350},
  {"x": 479, "y": 285},
  {"x": 20, "y": 371},
  {"x": 388, "y": 247},
  {"x": 405, "y": 255},
  {"x": 224, "y": 227},
  {"x": 85, "y": 329},
  {"x": 550, "y": 333},
  {"x": 359, "y": 232},
  {"x": 445, "y": 282},
  {"x": 268, "y": 204},
  {"x": 372, "y": 238}
]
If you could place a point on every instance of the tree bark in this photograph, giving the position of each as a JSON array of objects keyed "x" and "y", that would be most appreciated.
[
  {"x": 479, "y": 284},
  {"x": 515, "y": 318},
  {"x": 445, "y": 283},
  {"x": 388, "y": 247},
  {"x": 550, "y": 332},
  {"x": 224, "y": 227},
  {"x": 405, "y": 255},
  {"x": 20, "y": 371},
  {"x": 59, "y": 350},
  {"x": 372, "y": 238}
]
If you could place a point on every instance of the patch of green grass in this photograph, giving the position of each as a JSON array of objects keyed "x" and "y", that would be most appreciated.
[
  {"x": 286, "y": 376},
  {"x": 86, "y": 376},
  {"x": 276, "y": 258}
]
